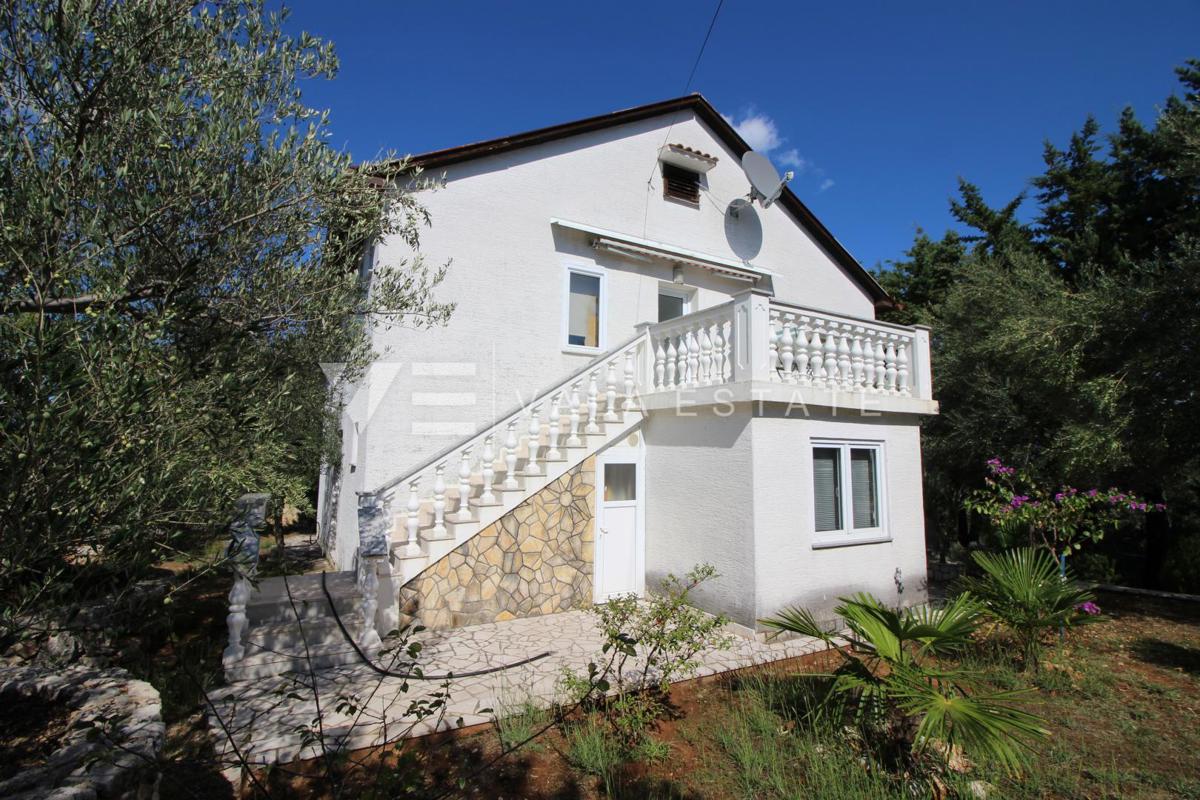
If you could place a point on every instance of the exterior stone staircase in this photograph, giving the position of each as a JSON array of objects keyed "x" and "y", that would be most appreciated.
[{"x": 287, "y": 625}]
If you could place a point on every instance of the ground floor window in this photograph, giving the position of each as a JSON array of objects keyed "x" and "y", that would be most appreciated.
[{"x": 847, "y": 492}]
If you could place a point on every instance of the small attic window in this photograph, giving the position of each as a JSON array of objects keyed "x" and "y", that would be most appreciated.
[{"x": 681, "y": 184}]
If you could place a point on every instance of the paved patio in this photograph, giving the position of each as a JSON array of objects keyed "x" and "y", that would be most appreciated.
[{"x": 263, "y": 716}]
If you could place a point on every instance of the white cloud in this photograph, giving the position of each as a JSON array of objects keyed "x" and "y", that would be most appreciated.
[
  {"x": 826, "y": 184},
  {"x": 792, "y": 158},
  {"x": 759, "y": 131}
]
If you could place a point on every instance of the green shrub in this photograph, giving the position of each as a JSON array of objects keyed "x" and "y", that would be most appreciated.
[
  {"x": 908, "y": 708},
  {"x": 1023, "y": 589},
  {"x": 648, "y": 643}
]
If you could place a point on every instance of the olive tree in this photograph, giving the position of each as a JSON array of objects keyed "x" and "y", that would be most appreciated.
[{"x": 179, "y": 251}]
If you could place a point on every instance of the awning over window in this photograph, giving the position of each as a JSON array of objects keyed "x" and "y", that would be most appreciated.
[{"x": 649, "y": 250}]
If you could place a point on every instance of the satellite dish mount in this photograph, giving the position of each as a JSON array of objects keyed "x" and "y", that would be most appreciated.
[{"x": 765, "y": 183}]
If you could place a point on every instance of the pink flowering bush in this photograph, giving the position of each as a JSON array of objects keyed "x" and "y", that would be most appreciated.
[{"x": 1061, "y": 520}]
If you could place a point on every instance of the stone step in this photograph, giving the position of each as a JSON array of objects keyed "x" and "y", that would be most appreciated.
[
  {"x": 461, "y": 531},
  {"x": 264, "y": 664},
  {"x": 438, "y": 549},
  {"x": 307, "y": 600},
  {"x": 286, "y": 636}
]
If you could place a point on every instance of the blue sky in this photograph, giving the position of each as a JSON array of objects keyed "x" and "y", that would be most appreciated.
[{"x": 879, "y": 106}]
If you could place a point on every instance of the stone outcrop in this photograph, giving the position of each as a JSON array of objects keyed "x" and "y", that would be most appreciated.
[
  {"x": 114, "y": 737},
  {"x": 537, "y": 559}
]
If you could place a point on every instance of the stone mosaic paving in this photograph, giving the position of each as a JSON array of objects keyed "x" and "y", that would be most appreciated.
[
  {"x": 264, "y": 720},
  {"x": 537, "y": 559}
]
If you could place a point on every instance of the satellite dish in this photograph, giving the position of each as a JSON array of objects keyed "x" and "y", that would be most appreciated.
[{"x": 765, "y": 183}]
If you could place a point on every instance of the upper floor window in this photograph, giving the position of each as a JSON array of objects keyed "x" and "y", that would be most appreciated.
[
  {"x": 681, "y": 184},
  {"x": 367, "y": 265},
  {"x": 584, "y": 313},
  {"x": 847, "y": 493},
  {"x": 672, "y": 304}
]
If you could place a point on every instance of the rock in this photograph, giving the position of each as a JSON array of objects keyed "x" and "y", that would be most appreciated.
[
  {"x": 64, "y": 648},
  {"x": 114, "y": 739},
  {"x": 980, "y": 790}
]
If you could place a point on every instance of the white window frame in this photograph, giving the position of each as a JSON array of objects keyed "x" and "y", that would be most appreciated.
[
  {"x": 847, "y": 534},
  {"x": 366, "y": 267},
  {"x": 602, "y": 331},
  {"x": 674, "y": 290}
]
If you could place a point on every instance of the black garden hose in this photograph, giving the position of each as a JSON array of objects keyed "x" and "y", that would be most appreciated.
[{"x": 409, "y": 675}]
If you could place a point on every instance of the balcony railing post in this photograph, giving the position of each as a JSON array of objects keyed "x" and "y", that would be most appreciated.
[
  {"x": 751, "y": 334},
  {"x": 920, "y": 368}
]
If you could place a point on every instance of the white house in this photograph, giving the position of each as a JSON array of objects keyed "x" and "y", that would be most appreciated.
[{"x": 641, "y": 374}]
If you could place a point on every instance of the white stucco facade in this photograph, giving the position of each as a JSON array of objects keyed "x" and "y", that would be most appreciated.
[{"x": 732, "y": 488}]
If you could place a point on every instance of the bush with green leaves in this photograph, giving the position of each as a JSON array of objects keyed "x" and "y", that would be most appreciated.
[
  {"x": 913, "y": 710},
  {"x": 1024, "y": 590},
  {"x": 648, "y": 643}
]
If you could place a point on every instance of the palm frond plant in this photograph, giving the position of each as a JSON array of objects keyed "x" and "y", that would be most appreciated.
[
  {"x": 891, "y": 689},
  {"x": 1025, "y": 590}
]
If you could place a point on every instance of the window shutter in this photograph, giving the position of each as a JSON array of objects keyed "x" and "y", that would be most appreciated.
[
  {"x": 862, "y": 479},
  {"x": 826, "y": 499},
  {"x": 681, "y": 184}
]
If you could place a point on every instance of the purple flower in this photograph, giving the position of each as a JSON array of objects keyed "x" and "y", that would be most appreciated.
[
  {"x": 1018, "y": 500},
  {"x": 1160, "y": 506},
  {"x": 997, "y": 467},
  {"x": 1093, "y": 492},
  {"x": 1088, "y": 608},
  {"x": 1059, "y": 497}
]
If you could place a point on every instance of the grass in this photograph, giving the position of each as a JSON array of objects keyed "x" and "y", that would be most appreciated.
[
  {"x": 592, "y": 748},
  {"x": 1120, "y": 698},
  {"x": 517, "y": 722}
]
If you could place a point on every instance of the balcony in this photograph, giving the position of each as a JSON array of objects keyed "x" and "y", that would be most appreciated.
[{"x": 756, "y": 348}]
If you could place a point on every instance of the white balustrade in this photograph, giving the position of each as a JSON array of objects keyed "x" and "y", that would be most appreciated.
[
  {"x": 439, "y": 500},
  {"x": 552, "y": 453},
  {"x": 831, "y": 352},
  {"x": 412, "y": 547},
  {"x": 488, "y": 468},
  {"x": 592, "y": 406},
  {"x": 573, "y": 437},
  {"x": 610, "y": 392},
  {"x": 692, "y": 351},
  {"x": 535, "y": 433},
  {"x": 510, "y": 456},
  {"x": 630, "y": 385},
  {"x": 464, "y": 486}
]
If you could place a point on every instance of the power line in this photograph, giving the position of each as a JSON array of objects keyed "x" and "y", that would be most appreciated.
[
  {"x": 695, "y": 65},
  {"x": 703, "y": 45}
]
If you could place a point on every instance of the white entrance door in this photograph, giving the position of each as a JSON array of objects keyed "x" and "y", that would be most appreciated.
[{"x": 619, "y": 523}]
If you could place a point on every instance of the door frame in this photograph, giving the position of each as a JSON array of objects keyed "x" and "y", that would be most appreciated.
[{"x": 621, "y": 453}]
